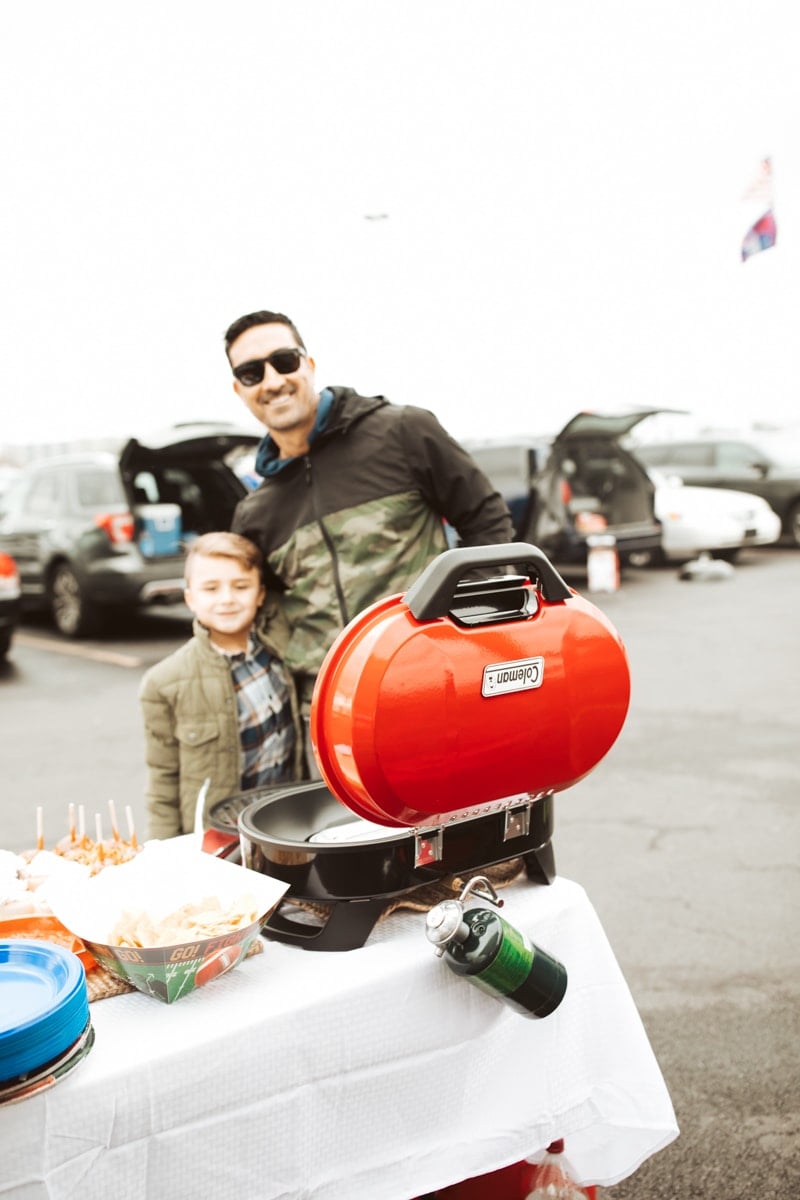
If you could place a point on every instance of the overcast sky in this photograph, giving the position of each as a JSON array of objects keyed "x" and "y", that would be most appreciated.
[{"x": 505, "y": 212}]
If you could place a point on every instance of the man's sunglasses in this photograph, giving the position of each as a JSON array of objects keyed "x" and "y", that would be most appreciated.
[{"x": 285, "y": 362}]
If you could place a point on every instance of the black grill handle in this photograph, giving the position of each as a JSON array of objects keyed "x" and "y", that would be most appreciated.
[{"x": 432, "y": 594}]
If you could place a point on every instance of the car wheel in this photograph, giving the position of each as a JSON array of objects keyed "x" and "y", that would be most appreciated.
[
  {"x": 646, "y": 558},
  {"x": 793, "y": 523},
  {"x": 73, "y": 615},
  {"x": 5, "y": 643}
]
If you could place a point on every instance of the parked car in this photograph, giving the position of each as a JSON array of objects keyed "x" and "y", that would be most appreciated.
[
  {"x": 717, "y": 521},
  {"x": 764, "y": 464},
  {"x": 9, "y": 602},
  {"x": 97, "y": 531},
  {"x": 563, "y": 489}
]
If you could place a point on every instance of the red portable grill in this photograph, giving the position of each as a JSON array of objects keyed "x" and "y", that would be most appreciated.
[{"x": 443, "y": 722}]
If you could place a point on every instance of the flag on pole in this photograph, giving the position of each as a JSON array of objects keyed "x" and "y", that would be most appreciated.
[
  {"x": 763, "y": 233},
  {"x": 760, "y": 236}
]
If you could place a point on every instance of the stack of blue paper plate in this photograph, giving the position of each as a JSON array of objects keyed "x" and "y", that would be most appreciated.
[{"x": 44, "y": 1007}]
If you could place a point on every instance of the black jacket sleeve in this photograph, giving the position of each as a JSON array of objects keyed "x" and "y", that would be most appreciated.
[{"x": 452, "y": 482}]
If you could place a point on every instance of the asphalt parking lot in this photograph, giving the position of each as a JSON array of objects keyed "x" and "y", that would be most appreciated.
[{"x": 686, "y": 840}]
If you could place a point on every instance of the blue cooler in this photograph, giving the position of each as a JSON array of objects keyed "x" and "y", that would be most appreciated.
[{"x": 161, "y": 529}]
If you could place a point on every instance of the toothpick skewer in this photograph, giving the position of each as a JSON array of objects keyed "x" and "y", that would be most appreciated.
[
  {"x": 40, "y": 828},
  {"x": 72, "y": 824},
  {"x": 81, "y": 823},
  {"x": 131, "y": 830},
  {"x": 98, "y": 822},
  {"x": 114, "y": 829}
]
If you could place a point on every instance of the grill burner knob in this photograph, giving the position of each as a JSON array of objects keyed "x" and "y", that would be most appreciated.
[{"x": 492, "y": 954}]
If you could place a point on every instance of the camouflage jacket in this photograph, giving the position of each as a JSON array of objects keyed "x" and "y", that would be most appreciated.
[{"x": 360, "y": 515}]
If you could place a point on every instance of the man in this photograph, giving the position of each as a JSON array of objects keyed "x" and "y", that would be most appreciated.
[{"x": 355, "y": 491}]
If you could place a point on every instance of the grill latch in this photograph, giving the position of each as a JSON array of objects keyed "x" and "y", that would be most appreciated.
[{"x": 428, "y": 845}]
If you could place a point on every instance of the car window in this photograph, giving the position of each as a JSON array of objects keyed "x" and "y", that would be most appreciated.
[
  {"x": 166, "y": 485},
  {"x": 195, "y": 489},
  {"x": 509, "y": 467},
  {"x": 8, "y": 477},
  {"x": 691, "y": 454},
  {"x": 145, "y": 488},
  {"x": 657, "y": 455},
  {"x": 45, "y": 496},
  {"x": 13, "y": 499},
  {"x": 96, "y": 488},
  {"x": 736, "y": 456}
]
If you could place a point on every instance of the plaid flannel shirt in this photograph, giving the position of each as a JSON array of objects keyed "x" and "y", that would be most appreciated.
[{"x": 266, "y": 729}]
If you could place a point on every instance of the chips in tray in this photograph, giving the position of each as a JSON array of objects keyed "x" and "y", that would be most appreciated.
[
  {"x": 207, "y": 918},
  {"x": 172, "y": 919}
]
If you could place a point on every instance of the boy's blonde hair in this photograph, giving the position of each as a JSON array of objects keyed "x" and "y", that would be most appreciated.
[{"x": 222, "y": 544}]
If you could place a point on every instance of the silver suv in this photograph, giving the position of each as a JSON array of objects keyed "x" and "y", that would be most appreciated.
[{"x": 98, "y": 531}]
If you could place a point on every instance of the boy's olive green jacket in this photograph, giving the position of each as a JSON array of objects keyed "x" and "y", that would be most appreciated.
[{"x": 191, "y": 727}]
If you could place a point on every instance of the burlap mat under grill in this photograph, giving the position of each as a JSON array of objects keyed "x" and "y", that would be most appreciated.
[
  {"x": 100, "y": 983},
  {"x": 425, "y": 897}
]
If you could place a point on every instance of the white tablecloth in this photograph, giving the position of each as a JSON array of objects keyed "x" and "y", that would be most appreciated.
[{"x": 375, "y": 1073}]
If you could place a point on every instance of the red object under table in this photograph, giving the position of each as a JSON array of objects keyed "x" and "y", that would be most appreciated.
[{"x": 509, "y": 1183}]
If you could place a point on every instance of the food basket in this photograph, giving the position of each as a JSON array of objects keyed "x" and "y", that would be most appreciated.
[{"x": 187, "y": 917}]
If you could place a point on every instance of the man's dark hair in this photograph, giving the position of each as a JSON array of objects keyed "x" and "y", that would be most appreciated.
[{"x": 260, "y": 318}]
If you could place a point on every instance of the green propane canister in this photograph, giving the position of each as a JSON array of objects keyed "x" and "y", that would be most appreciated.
[{"x": 496, "y": 957}]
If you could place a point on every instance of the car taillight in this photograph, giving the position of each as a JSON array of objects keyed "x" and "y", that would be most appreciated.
[
  {"x": 9, "y": 577},
  {"x": 118, "y": 526},
  {"x": 566, "y": 491}
]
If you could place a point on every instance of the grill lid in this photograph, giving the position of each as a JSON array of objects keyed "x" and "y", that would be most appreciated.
[{"x": 448, "y": 702}]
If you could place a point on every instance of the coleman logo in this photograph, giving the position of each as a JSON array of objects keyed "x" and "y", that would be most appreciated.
[{"x": 518, "y": 676}]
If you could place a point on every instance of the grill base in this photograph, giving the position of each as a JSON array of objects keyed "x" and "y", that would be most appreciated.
[
  {"x": 337, "y": 892},
  {"x": 346, "y": 924}
]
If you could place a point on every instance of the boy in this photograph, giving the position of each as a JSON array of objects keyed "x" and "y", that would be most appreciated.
[{"x": 221, "y": 707}]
